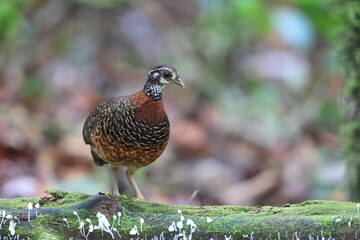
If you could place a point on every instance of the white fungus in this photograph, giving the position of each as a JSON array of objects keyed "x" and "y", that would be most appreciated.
[
  {"x": 76, "y": 214},
  {"x": 180, "y": 225},
  {"x": 30, "y": 206},
  {"x": 2, "y": 215},
  {"x": 113, "y": 223},
  {"x": 349, "y": 223},
  {"x": 103, "y": 224},
  {"x": 172, "y": 227},
  {"x": 141, "y": 223},
  {"x": 115, "y": 230},
  {"x": 119, "y": 215},
  {"x": 12, "y": 226},
  {"x": 65, "y": 220},
  {"x": 134, "y": 231},
  {"x": 37, "y": 206},
  {"x": 338, "y": 219}
]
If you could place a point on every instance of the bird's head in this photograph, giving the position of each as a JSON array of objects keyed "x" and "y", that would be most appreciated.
[{"x": 159, "y": 77}]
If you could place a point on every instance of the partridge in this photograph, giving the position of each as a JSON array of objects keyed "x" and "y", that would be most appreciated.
[{"x": 133, "y": 130}]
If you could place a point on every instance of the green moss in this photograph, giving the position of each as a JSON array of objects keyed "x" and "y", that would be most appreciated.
[
  {"x": 56, "y": 197},
  {"x": 60, "y": 199},
  {"x": 306, "y": 208},
  {"x": 310, "y": 217},
  {"x": 157, "y": 208},
  {"x": 17, "y": 203},
  {"x": 34, "y": 229},
  {"x": 64, "y": 199},
  {"x": 48, "y": 235}
]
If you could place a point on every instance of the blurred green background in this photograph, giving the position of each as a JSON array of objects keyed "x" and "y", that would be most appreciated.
[{"x": 256, "y": 124}]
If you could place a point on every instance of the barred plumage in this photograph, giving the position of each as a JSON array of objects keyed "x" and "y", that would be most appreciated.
[
  {"x": 113, "y": 127},
  {"x": 133, "y": 130}
]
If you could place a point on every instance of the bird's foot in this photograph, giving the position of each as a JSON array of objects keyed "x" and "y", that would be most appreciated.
[{"x": 138, "y": 199}]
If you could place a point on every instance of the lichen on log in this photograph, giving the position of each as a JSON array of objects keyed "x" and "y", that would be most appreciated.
[{"x": 55, "y": 219}]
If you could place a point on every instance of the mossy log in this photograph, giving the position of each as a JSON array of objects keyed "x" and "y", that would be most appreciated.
[{"x": 55, "y": 219}]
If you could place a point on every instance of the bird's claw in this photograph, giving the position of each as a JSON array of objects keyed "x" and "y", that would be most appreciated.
[{"x": 138, "y": 199}]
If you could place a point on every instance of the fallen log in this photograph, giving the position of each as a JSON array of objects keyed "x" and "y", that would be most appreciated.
[{"x": 65, "y": 215}]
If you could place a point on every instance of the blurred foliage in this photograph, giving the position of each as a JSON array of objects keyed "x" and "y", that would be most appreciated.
[
  {"x": 259, "y": 114},
  {"x": 11, "y": 17},
  {"x": 102, "y": 3},
  {"x": 348, "y": 48},
  {"x": 320, "y": 14},
  {"x": 34, "y": 86}
]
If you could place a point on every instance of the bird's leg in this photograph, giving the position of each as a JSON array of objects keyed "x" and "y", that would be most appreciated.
[
  {"x": 115, "y": 188},
  {"x": 130, "y": 176}
]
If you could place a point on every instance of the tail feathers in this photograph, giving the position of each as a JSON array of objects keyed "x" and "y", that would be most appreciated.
[{"x": 98, "y": 160}]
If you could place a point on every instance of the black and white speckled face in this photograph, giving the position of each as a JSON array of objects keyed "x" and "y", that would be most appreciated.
[
  {"x": 158, "y": 77},
  {"x": 163, "y": 74}
]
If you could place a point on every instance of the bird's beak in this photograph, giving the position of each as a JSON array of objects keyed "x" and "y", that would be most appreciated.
[{"x": 178, "y": 81}]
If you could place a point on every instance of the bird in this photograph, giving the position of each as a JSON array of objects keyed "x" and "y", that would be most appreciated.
[{"x": 133, "y": 130}]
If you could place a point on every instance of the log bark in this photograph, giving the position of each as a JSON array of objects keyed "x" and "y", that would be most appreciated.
[{"x": 308, "y": 220}]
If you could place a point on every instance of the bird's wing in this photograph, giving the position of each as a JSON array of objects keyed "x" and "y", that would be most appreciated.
[
  {"x": 91, "y": 122},
  {"x": 105, "y": 110}
]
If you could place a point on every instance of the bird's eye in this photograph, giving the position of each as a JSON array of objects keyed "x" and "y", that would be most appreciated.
[{"x": 167, "y": 74}]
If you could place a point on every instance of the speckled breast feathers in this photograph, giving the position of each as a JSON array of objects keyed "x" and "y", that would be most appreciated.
[{"x": 127, "y": 131}]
